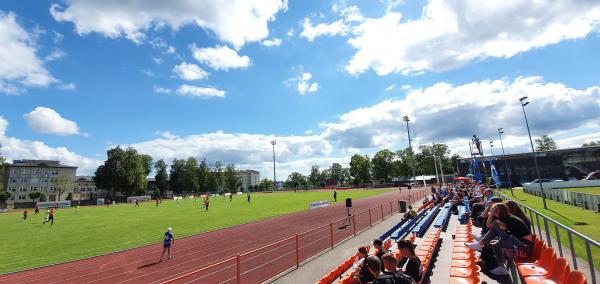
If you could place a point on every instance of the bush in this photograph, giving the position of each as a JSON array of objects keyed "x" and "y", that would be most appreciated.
[{"x": 69, "y": 196}]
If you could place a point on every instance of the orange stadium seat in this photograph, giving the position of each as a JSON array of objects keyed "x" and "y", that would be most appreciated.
[
  {"x": 575, "y": 277},
  {"x": 542, "y": 267},
  {"x": 560, "y": 268}
]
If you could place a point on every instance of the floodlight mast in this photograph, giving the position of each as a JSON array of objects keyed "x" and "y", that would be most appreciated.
[{"x": 537, "y": 169}]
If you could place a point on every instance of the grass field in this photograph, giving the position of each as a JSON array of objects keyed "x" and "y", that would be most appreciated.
[
  {"x": 583, "y": 221},
  {"x": 100, "y": 229},
  {"x": 590, "y": 190}
]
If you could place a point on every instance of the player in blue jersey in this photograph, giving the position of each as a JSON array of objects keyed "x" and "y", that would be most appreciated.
[{"x": 168, "y": 240}]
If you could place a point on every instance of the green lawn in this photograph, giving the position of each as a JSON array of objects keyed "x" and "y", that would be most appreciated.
[
  {"x": 100, "y": 229},
  {"x": 583, "y": 221},
  {"x": 590, "y": 190}
]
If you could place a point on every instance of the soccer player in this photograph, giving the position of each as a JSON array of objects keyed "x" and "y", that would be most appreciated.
[
  {"x": 25, "y": 212},
  {"x": 230, "y": 197},
  {"x": 137, "y": 203},
  {"x": 37, "y": 209},
  {"x": 206, "y": 203},
  {"x": 157, "y": 202},
  {"x": 50, "y": 217},
  {"x": 77, "y": 209},
  {"x": 248, "y": 197},
  {"x": 334, "y": 195},
  {"x": 168, "y": 240}
]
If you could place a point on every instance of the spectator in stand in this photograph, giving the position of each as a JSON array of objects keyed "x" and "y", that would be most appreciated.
[
  {"x": 389, "y": 264},
  {"x": 509, "y": 235},
  {"x": 514, "y": 209},
  {"x": 378, "y": 245},
  {"x": 363, "y": 275},
  {"x": 487, "y": 219},
  {"x": 413, "y": 266}
]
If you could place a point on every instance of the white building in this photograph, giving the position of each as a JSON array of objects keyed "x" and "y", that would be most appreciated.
[{"x": 248, "y": 178}]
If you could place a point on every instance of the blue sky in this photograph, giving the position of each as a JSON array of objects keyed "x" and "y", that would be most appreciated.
[{"x": 176, "y": 79}]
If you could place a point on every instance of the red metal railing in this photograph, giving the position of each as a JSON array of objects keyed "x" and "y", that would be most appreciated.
[{"x": 262, "y": 263}]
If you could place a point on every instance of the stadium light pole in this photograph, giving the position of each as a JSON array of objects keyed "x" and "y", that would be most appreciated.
[
  {"x": 273, "y": 142},
  {"x": 406, "y": 119},
  {"x": 537, "y": 169},
  {"x": 500, "y": 131}
]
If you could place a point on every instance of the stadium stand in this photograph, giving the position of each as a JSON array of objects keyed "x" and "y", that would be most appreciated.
[
  {"x": 422, "y": 226},
  {"x": 443, "y": 217}
]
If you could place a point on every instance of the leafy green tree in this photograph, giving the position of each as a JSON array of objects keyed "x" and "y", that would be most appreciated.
[
  {"x": 63, "y": 183},
  {"x": 335, "y": 174},
  {"x": 177, "y": 175},
  {"x": 211, "y": 183},
  {"x": 202, "y": 174},
  {"x": 1, "y": 170},
  {"x": 406, "y": 158},
  {"x": 360, "y": 169},
  {"x": 383, "y": 167},
  {"x": 69, "y": 196},
  {"x": 190, "y": 177},
  {"x": 545, "y": 143},
  {"x": 124, "y": 171},
  {"x": 266, "y": 184},
  {"x": 296, "y": 179},
  {"x": 42, "y": 197},
  {"x": 156, "y": 193},
  {"x": 161, "y": 177},
  {"x": 315, "y": 178},
  {"x": 588, "y": 144},
  {"x": 218, "y": 170},
  {"x": 35, "y": 195},
  {"x": 4, "y": 195},
  {"x": 230, "y": 178},
  {"x": 345, "y": 177}
]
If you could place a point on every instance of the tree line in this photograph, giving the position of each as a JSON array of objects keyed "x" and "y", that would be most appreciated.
[
  {"x": 126, "y": 171},
  {"x": 384, "y": 166}
]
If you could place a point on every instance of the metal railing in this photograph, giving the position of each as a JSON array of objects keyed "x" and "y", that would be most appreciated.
[
  {"x": 579, "y": 199},
  {"x": 265, "y": 262},
  {"x": 578, "y": 245}
]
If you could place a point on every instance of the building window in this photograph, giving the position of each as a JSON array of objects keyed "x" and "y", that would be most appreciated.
[
  {"x": 53, "y": 180},
  {"x": 25, "y": 171},
  {"x": 13, "y": 180},
  {"x": 34, "y": 188},
  {"x": 13, "y": 189},
  {"x": 22, "y": 189},
  {"x": 24, "y": 180},
  {"x": 14, "y": 171},
  {"x": 22, "y": 197}
]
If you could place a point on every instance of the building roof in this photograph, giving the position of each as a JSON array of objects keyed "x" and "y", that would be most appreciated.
[
  {"x": 39, "y": 163},
  {"x": 539, "y": 153},
  {"x": 248, "y": 172},
  {"x": 84, "y": 178}
]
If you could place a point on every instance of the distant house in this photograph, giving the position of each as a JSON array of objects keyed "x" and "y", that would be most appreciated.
[
  {"x": 249, "y": 178},
  {"x": 22, "y": 177}
]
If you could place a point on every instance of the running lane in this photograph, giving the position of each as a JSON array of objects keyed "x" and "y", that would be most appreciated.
[{"x": 140, "y": 265}]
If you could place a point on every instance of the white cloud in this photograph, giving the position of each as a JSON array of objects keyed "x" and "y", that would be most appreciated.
[
  {"x": 147, "y": 72},
  {"x": 20, "y": 67},
  {"x": 161, "y": 90},
  {"x": 310, "y": 32},
  {"x": 271, "y": 42},
  {"x": 450, "y": 34},
  {"x": 48, "y": 121},
  {"x": 194, "y": 91},
  {"x": 234, "y": 21},
  {"x": 444, "y": 112},
  {"x": 55, "y": 55},
  {"x": 16, "y": 149},
  {"x": 189, "y": 71},
  {"x": 220, "y": 57},
  {"x": 67, "y": 87},
  {"x": 390, "y": 87},
  {"x": 301, "y": 83},
  {"x": 245, "y": 150},
  {"x": 290, "y": 32}
]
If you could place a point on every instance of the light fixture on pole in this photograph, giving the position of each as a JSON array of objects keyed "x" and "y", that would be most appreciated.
[
  {"x": 492, "y": 148},
  {"x": 500, "y": 132},
  {"x": 537, "y": 169},
  {"x": 406, "y": 119},
  {"x": 273, "y": 142}
]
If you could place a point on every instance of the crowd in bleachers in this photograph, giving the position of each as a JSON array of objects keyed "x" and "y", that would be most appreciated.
[{"x": 506, "y": 235}]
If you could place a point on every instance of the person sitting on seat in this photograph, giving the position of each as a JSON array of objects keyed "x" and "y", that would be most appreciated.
[
  {"x": 508, "y": 236},
  {"x": 411, "y": 214},
  {"x": 413, "y": 265},
  {"x": 379, "y": 251},
  {"x": 389, "y": 264},
  {"x": 360, "y": 268},
  {"x": 387, "y": 277}
]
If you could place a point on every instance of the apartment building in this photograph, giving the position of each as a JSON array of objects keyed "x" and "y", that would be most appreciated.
[
  {"x": 22, "y": 177},
  {"x": 248, "y": 178}
]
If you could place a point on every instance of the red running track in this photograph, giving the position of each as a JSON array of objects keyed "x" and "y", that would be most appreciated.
[{"x": 140, "y": 265}]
